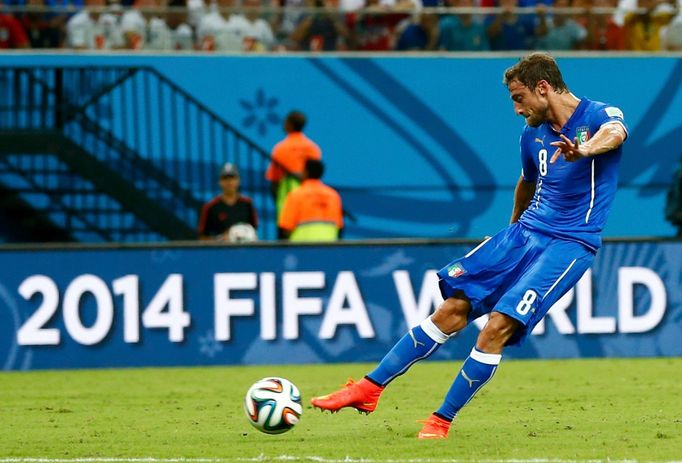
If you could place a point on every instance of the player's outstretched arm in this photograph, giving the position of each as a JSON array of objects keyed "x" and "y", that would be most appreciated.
[
  {"x": 609, "y": 137},
  {"x": 522, "y": 195}
]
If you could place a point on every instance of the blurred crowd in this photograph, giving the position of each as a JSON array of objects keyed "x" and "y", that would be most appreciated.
[{"x": 342, "y": 25}]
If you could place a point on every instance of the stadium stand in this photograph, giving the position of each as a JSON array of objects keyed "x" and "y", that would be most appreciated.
[{"x": 330, "y": 25}]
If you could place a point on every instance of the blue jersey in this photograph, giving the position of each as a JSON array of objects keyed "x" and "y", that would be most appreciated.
[{"x": 572, "y": 199}]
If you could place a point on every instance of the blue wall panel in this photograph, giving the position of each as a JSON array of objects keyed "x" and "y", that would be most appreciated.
[
  {"x": 302, "y": 305},
  {"x": 428, "y": 146}
]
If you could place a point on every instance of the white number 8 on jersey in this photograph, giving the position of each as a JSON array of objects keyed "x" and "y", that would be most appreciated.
[{"x": 542, "y": 161}]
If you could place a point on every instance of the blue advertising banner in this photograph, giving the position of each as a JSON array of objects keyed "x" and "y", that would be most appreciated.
[
  {"x": 197, "y": 305},
  {"x": 421, "y": 146}
]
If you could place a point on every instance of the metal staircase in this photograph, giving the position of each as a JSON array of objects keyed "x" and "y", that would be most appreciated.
[{"x": 118, "y": 153}]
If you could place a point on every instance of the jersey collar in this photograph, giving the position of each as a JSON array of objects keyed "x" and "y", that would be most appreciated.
[{"x": 576, "y": 116}]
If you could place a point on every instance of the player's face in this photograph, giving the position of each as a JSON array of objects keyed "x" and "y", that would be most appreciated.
[
  {"x": 230, "y": 184},
  {"x": 532, "y": 105}
]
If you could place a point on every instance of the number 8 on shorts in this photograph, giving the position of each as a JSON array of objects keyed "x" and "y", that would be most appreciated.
[{"x": 526, "y": 302}]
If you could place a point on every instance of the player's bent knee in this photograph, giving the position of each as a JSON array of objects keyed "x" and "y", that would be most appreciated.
[
  {"x": 451, "y": 315},
  {"x": 496, "y": 333}
]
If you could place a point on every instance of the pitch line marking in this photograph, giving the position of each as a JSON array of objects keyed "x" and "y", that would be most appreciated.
[{"x": 285, "y": 458}]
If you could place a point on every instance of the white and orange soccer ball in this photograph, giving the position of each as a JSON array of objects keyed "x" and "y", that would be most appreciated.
[{"x": 273, "y": 405}]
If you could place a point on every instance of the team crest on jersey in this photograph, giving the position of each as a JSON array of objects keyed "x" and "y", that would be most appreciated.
[
  {"x": 456, "y": 270},
  {"x": 583, "y": 134}
]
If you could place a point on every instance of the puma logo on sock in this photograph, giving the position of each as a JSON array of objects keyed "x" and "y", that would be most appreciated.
[
  {"x": 469, "y": 380},
  {"x": 414, "y": 340}
]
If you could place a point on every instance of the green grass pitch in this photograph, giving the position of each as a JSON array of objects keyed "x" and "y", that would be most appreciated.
[{"x": 573, "y": 410}]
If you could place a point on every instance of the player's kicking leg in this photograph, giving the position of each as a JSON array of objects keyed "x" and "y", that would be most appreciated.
[
  {"x": 464, "y": 283},
  {"x": 419, "y": 343},
  {"x": 476, "y": 371}
]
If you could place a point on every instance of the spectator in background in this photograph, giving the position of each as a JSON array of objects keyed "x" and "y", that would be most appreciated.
[
  {"x": 463, "y": 32},
  {"x": 560, "y": 32},
  {"x": 44, "y": 30},
  {"x": 181, "y": 33},
  {"x": 134, "y": 24},
  {"x": 217, "y": 32},
  {"x": 196, "y": 9},
  {"x": 374, "y": 30},
  {"x": 421, "y": 34},
  {"x": 12, "y": 34},
  {"x": 508, "y": 30},
  {"x": 150, "y": 31},
  {"x": 291, "y": 15},
  {"x": 236, "y": 33},
  {"x": 325, "y": 31},
  {"x": 288, "y": 159},
  {"x": 671, "y": 35},
  {"x": 313, "y": 211},
  {"x": 259, "y": 36},
  {"x": 94, "y": 30},
  {"x": 643, "y": 30},
  {"x": 603, "y": 32},
  {"x": 227, "y": 210}
]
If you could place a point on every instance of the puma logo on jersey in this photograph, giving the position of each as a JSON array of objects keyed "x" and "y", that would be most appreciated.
[
  {"x": 540, "y": 140},
  {"x": 469, "y": 380},
  {"x": 414, "y": 340}
]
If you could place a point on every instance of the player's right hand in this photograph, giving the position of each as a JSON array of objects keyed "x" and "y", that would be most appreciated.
[{"x": 571, "y": 150}]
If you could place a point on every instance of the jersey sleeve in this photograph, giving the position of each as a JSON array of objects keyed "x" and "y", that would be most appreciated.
[
  {"x": 529, "y": 170},
  {"x": 609, "y": 114}
]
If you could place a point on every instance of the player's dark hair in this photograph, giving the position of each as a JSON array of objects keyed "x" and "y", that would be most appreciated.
[
  {"x": 296, "y": 121},
  {"x": 533, "y": 68},
  {"x": 314, "y": 169}
]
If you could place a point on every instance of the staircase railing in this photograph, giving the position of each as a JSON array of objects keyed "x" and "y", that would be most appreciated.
[{"x": 144, "y": 127}]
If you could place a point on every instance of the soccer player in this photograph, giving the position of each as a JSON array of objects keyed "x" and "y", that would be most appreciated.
[{"x": 570, "y": 150}]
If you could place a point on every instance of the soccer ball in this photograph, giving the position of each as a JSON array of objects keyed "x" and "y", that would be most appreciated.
[
  {"x": 273, "y": 405},
  {"x": 242, "y": 233}
]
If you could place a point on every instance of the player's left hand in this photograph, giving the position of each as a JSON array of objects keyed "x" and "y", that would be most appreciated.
[{"x": 571, "y": 150}]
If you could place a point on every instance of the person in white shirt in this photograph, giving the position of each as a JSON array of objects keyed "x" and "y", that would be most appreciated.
[
  {"x": 196, "y": 9},
  {"x": 181, "y": 33},
  {"x": 150, "y": 32},
  {"x": 211, "y": 30},
  {"x": 94, "y": 30},
  {"x": 259, "y": 36},
  {"x": 134, "y": 25},
  {"x": 216, "y": 32},
  {"x": 671, "y": 35}
]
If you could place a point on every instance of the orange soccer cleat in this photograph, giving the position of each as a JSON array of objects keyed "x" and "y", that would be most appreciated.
[
  {"x": 362, "y": 396},
  {"x": 435, "y": 427}
]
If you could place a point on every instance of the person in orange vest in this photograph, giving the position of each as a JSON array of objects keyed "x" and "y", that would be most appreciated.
[
  {"x": 313, "y": 211},
  {"x": 288, "y": 159}
]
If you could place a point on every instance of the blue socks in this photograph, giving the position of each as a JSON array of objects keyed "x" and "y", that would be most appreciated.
[
  {"x": 419, "y": 343},
  {"x": 477, "y": 370}
]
